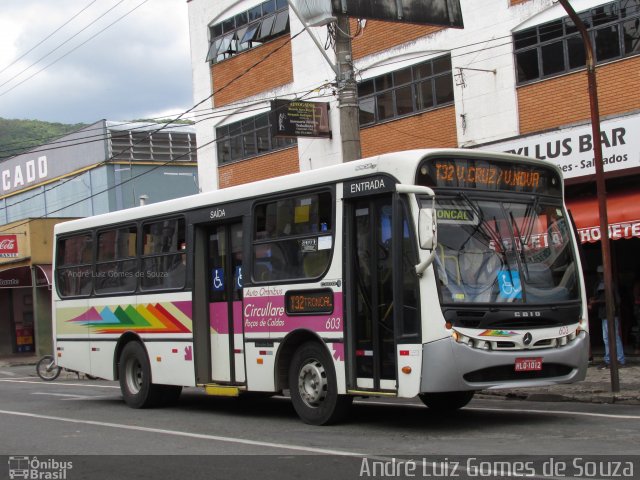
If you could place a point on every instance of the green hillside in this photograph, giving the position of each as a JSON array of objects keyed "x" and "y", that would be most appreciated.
[{"x": 17, "y": 136}]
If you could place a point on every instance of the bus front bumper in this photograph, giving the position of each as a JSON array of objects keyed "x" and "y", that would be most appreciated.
[{"x": 449, "y": 366}]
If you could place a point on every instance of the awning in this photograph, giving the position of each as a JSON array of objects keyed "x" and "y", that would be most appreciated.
[
  {"x": 43, "y": 275},
  {"x": 20, "y": 277},
  {"x": 623, "y": 212}
]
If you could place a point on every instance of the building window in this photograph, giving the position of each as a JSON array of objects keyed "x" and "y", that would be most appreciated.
[
  {"x": 413, "y": 89},
  {"x": 248, "y": 29},
  {"x": 556, "y": 47},
  {"x": 248, "y": 138}
]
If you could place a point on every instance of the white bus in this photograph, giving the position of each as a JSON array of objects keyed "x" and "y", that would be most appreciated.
[{"x": 430, "y": 273}]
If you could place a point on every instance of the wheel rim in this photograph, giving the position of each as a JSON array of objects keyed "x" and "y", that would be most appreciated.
[
  {"x": 312, "y": 383},
  {"x": 134, "y": 377},
  {"x": 47, "y": 368}
]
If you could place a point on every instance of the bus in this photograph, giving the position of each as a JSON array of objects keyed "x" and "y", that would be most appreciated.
[{"x": 425, "y": 273}]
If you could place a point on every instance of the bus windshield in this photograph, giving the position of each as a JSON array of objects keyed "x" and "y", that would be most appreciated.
[{"x": 504, "y": 251}]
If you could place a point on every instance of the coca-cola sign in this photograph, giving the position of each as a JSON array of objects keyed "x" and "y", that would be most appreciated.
[{"x": 8, "y": 246}]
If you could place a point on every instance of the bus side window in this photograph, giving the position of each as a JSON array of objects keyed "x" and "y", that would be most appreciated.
[
  {"x": 163, "y": 255},
  {"x": 286, "y": 232},
  {"x": 74, "y": 271},
  {"x": 116, "y": 266}
]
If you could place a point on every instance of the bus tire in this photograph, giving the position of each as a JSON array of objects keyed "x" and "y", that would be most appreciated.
[
  {"x": 314, "y": 388},
  {"x": 446, "y": 401},
  {"x": 135, "y": 378}
]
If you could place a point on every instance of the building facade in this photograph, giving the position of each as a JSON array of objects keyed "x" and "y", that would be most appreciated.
[
  {"x": 101, "y": 168},
  {"x": 512, "y": 80}
]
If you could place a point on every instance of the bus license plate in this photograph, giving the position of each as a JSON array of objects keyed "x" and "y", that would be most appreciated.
[{"x": 528, "y": 364}]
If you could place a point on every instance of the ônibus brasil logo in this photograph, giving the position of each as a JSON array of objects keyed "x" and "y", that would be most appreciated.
[{"x": 35, "y": 469}]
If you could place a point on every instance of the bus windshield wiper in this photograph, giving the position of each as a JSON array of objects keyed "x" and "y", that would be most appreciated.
[
  {"x": 481, "y": 227},
  {"x": 517, "y": 236}
]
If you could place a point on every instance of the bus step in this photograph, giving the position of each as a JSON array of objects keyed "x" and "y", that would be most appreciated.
[
  {"x": 372, "y": 393},
  {"x": 221, "y": 390}
]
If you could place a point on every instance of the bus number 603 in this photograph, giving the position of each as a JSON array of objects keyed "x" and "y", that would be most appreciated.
[{"x": 333, "y": 323}]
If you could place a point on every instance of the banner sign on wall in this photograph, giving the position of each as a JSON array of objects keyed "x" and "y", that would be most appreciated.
[{"x": 571, "y": 148}]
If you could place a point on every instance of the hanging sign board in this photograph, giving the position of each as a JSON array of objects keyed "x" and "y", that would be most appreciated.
[
  {"x": 446, "y": 13},
  {"x": 300, "y": 119}
]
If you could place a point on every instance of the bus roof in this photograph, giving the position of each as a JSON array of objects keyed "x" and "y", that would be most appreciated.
[{"x": 401, "y": 165}]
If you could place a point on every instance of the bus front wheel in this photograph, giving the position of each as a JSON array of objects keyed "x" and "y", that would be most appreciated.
[
  {"x": 314, "y": 388},
  {"x": 135, "y": 378},
  {"x": 446, "y": 401}
]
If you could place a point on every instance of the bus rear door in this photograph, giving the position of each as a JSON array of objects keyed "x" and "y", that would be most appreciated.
[{"x": 219, "y": 279}]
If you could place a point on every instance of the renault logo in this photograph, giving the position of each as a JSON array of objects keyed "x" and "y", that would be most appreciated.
[{"x": 527, "y": 339}]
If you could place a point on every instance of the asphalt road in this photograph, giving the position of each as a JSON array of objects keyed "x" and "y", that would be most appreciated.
[{"x": 86, "y": 422}]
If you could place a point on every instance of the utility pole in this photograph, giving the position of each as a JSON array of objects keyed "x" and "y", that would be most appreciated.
[
  {"x": 347, "y": 92},
  {"x": 602, "y": 193}
]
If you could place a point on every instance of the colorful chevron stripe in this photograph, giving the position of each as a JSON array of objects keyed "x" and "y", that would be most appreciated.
[
  {"x": 498, "y": 333},
  {"x": 151, "y": 318}
]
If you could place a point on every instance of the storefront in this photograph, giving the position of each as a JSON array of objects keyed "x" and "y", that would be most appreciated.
[
  {"x": 571, "y": 148},
  {"x": 25, "y": 287}
]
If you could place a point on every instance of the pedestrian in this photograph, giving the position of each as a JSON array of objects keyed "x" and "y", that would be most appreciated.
[
  {"x": 598, "y": 302},
  {"x": 636, "y": 315}
]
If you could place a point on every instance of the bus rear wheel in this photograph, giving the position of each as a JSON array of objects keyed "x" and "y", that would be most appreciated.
[
  {"x": 446, "y": 401},
  {"x": 135, "y": 378},
  {"x": 314, "y": 388}
]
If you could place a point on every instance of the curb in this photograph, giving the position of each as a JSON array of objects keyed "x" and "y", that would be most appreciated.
[{"x": 587, "y": 397}]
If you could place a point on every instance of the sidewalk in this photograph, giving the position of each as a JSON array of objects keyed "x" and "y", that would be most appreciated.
[
  {"x": 596, "y": 388},
  {"x": 17, "y": 360}
]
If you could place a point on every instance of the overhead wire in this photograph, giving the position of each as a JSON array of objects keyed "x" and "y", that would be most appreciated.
[
  {"x": 208, "y": 113},
  {"x": 46, "y": 38},
  {"x": 125, "y": 181},
  {"x": 170, "y": 122},
  {"x": 75, "y": 48},
  {"x": 61, "y": 45},
  {"x": 106, "y": 161},
  {"x": 426, "y": 55}
]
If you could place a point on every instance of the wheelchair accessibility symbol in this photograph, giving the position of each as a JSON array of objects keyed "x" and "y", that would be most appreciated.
[
  {"x": 238, "y": 278},
  {"x": 509, "y": 283},
  {"x": 218, "y": 279}
]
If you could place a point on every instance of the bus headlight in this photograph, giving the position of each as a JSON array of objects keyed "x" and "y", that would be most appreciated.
[{"x": 460, "y": 338}]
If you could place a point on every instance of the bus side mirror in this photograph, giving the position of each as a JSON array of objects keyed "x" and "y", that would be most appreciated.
[
  {"x": 428, "y": 233},
  {"x": 427, "y": 229}
]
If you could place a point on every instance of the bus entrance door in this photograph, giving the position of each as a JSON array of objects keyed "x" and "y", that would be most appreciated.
[
  {"x": 224, "y": 271},
  {"x": 370, "y": 295}
]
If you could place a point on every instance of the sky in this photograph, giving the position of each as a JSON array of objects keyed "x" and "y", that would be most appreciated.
[{"x": 139, "y": 67}]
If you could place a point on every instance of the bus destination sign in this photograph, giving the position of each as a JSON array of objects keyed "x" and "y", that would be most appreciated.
[
  {"x": 489, "y": 175},
  {"x": 300, "y": 302}
]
